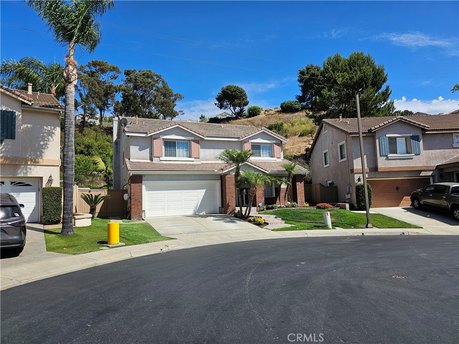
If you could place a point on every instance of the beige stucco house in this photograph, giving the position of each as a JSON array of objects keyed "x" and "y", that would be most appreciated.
[
  {"x": 29, "y": 146},
  {"x": 172, "y": 167},
  {"x": 402, "y": 154}
]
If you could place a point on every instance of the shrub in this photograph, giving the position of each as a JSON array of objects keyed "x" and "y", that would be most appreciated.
[
  {"x": 253, "y": 111},
  {"x": 279, "y": 128},
  {"x": 52, "y": 205},
  {"x": 324, "y": 206},
  {"x": 307, "y": 131},
  {"x": 271, "y": 206},
  {"x": 360, "y": 196},
  {"x": 257, "y": 220},
  {"x": 93, "y": 201},
  {"x": 306, "y": 204},
  {"x": 293, "y": 205},
  {"x": 290, "y": 106}
]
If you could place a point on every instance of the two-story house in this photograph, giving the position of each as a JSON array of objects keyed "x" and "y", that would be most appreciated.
[
  {"x": 402, "y": 154},
  {"x": 29, "y": 146},
  {"x": 172, "y": 167}
]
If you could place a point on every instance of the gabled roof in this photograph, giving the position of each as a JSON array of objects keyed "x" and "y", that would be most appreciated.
[
  {"x": 428, "y": 123},
  {"x": 371, "y": 124},
  {"x": 150, "y": 126},
  {"x": 38, "y": 99}
]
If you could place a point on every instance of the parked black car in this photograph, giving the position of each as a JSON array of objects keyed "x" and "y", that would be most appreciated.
[
  {"x": 12, "y": 224},
  {"x": 441, "y": 195}
]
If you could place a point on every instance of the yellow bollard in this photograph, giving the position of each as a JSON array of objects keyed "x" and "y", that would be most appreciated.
[{"x": 113, "y": 229}]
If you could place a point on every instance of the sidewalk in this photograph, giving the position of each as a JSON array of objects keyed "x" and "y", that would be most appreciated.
[{"x": 42, "y": 264}]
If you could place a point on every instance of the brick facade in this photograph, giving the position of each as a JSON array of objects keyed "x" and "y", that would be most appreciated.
[
  {"x": 280, "y": 200},
  {"x": 228, "y": 193},
  {"x": 136, "y": 197},
  {"x": 260, "y": 196}
]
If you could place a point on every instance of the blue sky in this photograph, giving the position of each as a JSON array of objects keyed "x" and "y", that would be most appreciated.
[{"x": 198, "y": 47}]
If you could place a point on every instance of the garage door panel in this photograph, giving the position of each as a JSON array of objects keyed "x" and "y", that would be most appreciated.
[
  {"x": 181, "y": 196},
  {"x": 26, "y": 192},
  {"x": 392, "y": 192}
]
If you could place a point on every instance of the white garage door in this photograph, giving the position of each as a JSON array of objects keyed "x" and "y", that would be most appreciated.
[
  {"x": 26, "y": 191},
  {"x": 181, "y": 195}
]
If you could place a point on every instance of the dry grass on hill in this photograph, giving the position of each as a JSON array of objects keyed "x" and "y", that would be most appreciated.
[{"x": 300, "y": 129}]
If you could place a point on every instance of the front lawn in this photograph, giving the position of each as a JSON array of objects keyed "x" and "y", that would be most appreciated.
[
  {"x": 313, "y": 219},
  {"x": 92, "y": 238}
]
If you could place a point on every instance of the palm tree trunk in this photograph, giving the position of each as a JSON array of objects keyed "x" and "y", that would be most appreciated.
[
  {"x": 237, "y": 175},
  {"x": 287, "y": 189},
  {"x": 70, "y": 75}
]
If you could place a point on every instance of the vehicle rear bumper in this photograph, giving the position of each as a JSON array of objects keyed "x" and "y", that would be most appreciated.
[{"x": 12, "y": 237}]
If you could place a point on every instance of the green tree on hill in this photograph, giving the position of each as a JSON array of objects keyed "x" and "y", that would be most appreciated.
[
  {"x": 98, "y": 78},
  {"x": 146, "y": 94},
  {"x": 329, "y": 91},
  {"x": 232, "y": 98}
]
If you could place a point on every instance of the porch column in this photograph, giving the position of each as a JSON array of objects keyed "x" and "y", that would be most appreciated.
[
  {"x": 260, "y": 196},
  {"x": 228, "y": 193},
  {"x": 298, "y": 190},
  {"x": 136, "y": 197}
]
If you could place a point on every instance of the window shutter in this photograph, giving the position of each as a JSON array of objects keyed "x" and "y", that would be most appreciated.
[
  {"x": 383, "y": 146},
  {"x": 415, "y": 144},
  {"x": 8, "y": 125}
]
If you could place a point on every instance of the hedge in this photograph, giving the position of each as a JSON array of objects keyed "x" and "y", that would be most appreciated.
[
  {"x": 360, "y": 196},
  {"x": 52, "y": 205}
]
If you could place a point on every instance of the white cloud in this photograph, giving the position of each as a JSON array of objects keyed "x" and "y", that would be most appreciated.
[
  {"x": 435, "y": 106},
  {"x": 416, "y": 40},
  {"x": 192, "y": 109},
  {"x": 258, "y": 87}
]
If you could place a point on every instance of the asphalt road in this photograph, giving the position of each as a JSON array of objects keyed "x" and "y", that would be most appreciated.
[{"x": 330, "y": 290}]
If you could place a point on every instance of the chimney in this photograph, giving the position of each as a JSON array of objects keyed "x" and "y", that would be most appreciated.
[{"x": 29, "y": 88}]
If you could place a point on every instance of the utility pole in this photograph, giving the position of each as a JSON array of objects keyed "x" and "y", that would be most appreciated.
[{"x": 362, "y": 160}]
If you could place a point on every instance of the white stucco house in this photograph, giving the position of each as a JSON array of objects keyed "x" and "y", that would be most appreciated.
[{"x": 29, "y": 146}]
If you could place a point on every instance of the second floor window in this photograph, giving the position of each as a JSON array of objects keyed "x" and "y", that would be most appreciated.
[
  {"x": 400, "y": 145},
  {"x": 177, "y": 149},
  {"x": 261, "y": 150}
]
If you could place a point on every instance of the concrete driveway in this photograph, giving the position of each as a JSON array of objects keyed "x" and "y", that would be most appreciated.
[
  {"x": 171, "y": 226},
  {"x": 432, "y": 220}
]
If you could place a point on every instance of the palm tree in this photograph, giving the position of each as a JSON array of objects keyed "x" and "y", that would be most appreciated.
[
  {"x": 237, "y": 158},
  {"x": 93, "y": 201},
  {"x": 46, "y": 78},
  {"x": 253, "y": 180},
  {"x": 74, "y": 23},
  {"x": 290, "y": 169}
]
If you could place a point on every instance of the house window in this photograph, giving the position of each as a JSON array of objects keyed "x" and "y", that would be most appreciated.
[
  {"x": 177, "y": 149},
  {"x": 456, "y": 140},
  {"x": 342, "y": 151},
  {"x": 269, "y": 190},
  {"x": 400, "y": 145},
  {"x": 261, "y": 150},
  {"x": 325, "y": 158},
  {"x": 7, "y": 125}
]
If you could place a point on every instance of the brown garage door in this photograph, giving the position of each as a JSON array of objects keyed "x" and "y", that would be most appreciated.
[{"x": 391, "y": 192}]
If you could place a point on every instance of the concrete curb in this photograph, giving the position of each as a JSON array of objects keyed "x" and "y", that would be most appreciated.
[{"x": 59, "y": 264}]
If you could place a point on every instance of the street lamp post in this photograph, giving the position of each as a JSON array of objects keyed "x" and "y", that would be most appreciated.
[{"x": 362, "y": 160}]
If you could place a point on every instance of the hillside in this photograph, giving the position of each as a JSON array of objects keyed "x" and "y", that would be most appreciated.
[{"x": 298, "y": 128}]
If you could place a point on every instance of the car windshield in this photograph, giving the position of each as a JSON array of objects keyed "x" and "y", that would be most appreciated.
[{"x": 9, "y": 211}]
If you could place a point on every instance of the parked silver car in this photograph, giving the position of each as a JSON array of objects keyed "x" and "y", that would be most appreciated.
[
  {"x": 440, "y": 195},
  {"x": 12, "y": 224}
]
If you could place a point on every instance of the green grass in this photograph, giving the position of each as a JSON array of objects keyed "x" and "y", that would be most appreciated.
[
  {"x": 313, "y": 219},
  {"x": 89, "y": 239}
]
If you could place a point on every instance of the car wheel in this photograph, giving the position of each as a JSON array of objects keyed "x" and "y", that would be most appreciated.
[
  {"x": 415, "y": 203},
  {"x": 455, "y": 213}
]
